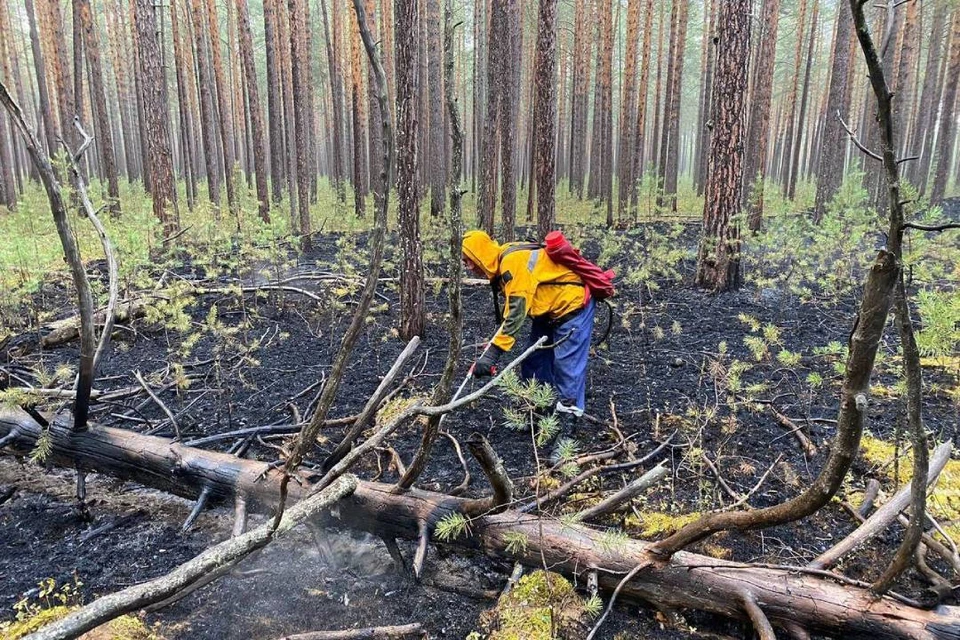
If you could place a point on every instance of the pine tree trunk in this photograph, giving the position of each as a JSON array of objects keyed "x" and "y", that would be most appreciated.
[
  {"x": 948, "y": 121},
  {"x": 156, "y": 112},
  {"x": 640, "y": 137},
  {"x": 907, "y": 76},
  {"x": 580, "y": 97},
  {"x": 510, "y": 81},
  {"x": 497, "y": 52},
  {"x": 545, "y": 114},
  {"x": 606, "y": 80},
  {"x": 438, "y": 173},
  {"x": 186, "y": 117},
  {"x": 792, "y": 101},
  {"x": 357, "y": 98},
  {"x": 655, "y": 133},
  {"x": 223, "y": 101},
  {"x": 804, "y": 96},
  {"x": 63, "y": 80},
  {"x": 299, "y": 75},
  {"x": 755, "y": 162},
  {"x": 336, "y": 95},
  {"x": 628, "y": 107},
  {"x": 411, "y": 285},
  {"x": 275, "y": 114},
  {"x": 99, "y": 100},
  {"x": 125, "y": 98},
  {"x": 375, "y": 135},
  {"x": 703, "y": 131},
  {"x": 256, "y": 118},
  {"x": 718, "y": 263},
  {"x": 207, "y": 106},
  {"x": 672, "y": 121},
  {"x": 832, "y": 144}
]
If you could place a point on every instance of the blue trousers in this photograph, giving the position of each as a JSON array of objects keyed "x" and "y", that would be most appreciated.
[{"x": 565, "y": 366}]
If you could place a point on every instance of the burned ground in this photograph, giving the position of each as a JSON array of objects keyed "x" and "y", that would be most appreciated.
[{"x": 710, "y": 369}]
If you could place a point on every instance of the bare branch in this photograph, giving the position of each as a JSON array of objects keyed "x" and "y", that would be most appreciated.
[
  {"x": 937, "y": 228},
  {"x": 856, "y": 141}
]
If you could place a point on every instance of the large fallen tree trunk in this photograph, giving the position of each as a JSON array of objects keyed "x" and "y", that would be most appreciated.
[{"x": 788, "y": 596}]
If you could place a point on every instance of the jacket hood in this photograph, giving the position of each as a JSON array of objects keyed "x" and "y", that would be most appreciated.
[{"x": 483, "y": 251}]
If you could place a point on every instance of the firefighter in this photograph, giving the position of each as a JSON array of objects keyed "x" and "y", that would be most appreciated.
[{"x": 555, "y": 299}]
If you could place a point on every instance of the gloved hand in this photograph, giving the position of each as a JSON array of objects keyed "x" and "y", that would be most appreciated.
[{"x": 486, "y": 364}]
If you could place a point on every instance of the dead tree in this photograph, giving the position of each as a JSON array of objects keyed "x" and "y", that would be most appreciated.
[{"x": 58, "y": 207}]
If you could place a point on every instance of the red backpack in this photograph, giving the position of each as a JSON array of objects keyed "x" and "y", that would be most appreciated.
[{"x": 599, "y": 283}]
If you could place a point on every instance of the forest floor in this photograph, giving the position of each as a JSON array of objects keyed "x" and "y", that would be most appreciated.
[{"x": 713, "y": 369}]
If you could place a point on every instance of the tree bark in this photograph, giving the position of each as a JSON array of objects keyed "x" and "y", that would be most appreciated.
[
  {"x": 545, "y": 116},
  {"x": 832, "y": 144},
  {"x": 437, "y": 133},
  {"x": 628, "y": 107},
  {"x": 672, "y": 121},
  {"x": 274, "y": 99},
  {"x": 788, "y": 596},
  {"x": 99, "y": 100},
  {"x": 157, "y": 115},
  {"x": 755, "y": 162},
  {"x": 256, "y": 116},
  {"x": 412, "y": 309},
  {"x": 204, "y": 83},
  {"x": 300, "y": 73},
  {"x": 183, "y": 71},
  {"x": 718, "y": 263},
  {"x": 223, "y": 101}
]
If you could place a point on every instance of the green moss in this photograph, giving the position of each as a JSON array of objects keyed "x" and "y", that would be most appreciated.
[
  {"x": 541, "y": 606},
  {"x": 651, "y": 524}
]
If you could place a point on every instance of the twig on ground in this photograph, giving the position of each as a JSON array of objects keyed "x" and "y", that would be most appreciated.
[
  {"x": 626, "y": 494},
  {"x": 159, "y": 402}
]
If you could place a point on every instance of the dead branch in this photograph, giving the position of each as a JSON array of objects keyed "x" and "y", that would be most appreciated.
[
  {"x": 159, "y": 403},
  {"x": 217, "y": 558},
  {"x": 564, "y": 489},
  {"x": 628, "y": 493},
  {"x": 613, "y": 598},
  {"x": 742, "y": 501},
  {"x": 716, "y": 472},
  {"x": 869, "y": 497},
  {"x": 496, "y": 474},
  {"x": 808, "y": 447},
  {"x": 197, "y": 509},
  {"x": 856, "y": 140},
  {"x": 370, "y": 633},
  {"x": 465, "y": 483},
  {"x": 370, "y": 408},
  {"x": 759, "y": 619},
  {"x": 883, "y": 516},
  {"x": 931, "y": 227},
  {"x": 113, "y": 285}
]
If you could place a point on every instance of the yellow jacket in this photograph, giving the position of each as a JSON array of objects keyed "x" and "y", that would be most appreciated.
[{"x": 533, "y": 284}]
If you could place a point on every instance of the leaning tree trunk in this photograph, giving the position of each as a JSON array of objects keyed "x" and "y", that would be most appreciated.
[{"x": 790, "y": 597}]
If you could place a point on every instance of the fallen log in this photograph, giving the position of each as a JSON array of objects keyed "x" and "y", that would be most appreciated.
[
  {"x": 414, "y": 630},
  {"x": 792, "y": 597}
]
